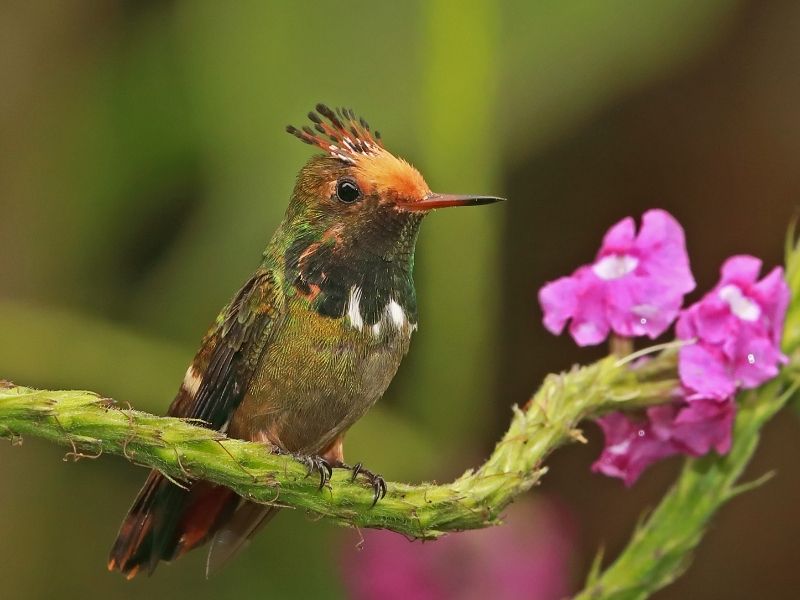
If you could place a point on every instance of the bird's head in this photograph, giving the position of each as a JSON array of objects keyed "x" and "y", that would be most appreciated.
[
  {"x": 358, "y": 187},
  {"x": 354, "y": 214}
]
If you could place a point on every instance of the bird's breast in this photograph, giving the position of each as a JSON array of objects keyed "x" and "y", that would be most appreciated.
[{"x": 321, "y": 374}]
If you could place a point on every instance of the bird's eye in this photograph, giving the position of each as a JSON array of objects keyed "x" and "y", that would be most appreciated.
[{"x": 347, "y": 191}]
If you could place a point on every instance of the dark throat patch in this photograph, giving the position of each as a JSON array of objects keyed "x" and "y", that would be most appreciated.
[{"x": 377, "y": 258}]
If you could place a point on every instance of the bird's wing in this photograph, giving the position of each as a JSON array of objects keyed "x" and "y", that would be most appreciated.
[
  {"x": 161, "y": 524},
  {"x": 221, "y": 372}
]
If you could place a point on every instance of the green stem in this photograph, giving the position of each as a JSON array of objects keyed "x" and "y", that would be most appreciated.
[
  {"x": 184, "y": 451},
  {"x": 657, "y": 554},
  {"x": 619, "y": 346}
]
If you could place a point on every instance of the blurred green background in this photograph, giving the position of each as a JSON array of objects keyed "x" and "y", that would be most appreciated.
[{"x": 143, "y": 166}]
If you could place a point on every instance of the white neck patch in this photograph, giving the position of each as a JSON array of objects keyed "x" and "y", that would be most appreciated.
[
  {"x": 354, "y": 308},
  {"x": 394, "y": 316},
  {"x": 396, "y": 313}
]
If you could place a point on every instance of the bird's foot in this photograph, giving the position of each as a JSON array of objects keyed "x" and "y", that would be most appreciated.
[
  {"x": 376, "y": 481},
  {"x": 318, "y": 464},
  {"x": 314, "y": 464}
]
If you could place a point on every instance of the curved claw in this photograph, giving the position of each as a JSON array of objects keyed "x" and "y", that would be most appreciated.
[
  {"x": 325, "y": 472},
  {"x": 378, "y": 489},
  {"x": 323, "y": 467},
  {"x": 376, "y": 481},
  {"x": 318, "y": 464}
]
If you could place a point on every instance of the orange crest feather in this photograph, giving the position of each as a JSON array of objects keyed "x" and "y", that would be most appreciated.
[
  {"x": 340, "y": 133},
  {"x": 346, "y": 137}
]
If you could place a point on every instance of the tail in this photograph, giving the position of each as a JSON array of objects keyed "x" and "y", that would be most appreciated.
[
  {"x": 167, "y": 521},
  {"x": 234, "y": 535}
]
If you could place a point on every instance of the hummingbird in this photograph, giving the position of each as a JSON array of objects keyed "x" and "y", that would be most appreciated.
[{"x": 307, "y": 345}]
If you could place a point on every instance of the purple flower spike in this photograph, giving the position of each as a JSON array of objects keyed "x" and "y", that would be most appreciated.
[
  {"x": 738, "y": 328},
  {"x": 634, "y": 287}
]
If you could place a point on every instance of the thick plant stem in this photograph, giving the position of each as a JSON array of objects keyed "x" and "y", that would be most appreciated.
[{"x": 185, "y": 451}]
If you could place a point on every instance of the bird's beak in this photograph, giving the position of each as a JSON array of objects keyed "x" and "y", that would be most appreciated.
[{"x": 433, "y": 201}]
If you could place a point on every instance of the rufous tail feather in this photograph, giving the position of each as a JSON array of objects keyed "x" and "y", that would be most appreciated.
[{"x": 166, "y": 521}]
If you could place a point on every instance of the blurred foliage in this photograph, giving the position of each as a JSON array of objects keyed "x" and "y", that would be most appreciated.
[{"x": 143, "y": 167}]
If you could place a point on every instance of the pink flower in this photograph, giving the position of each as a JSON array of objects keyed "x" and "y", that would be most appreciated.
[
  {"x": 693, "y": 428},
  {"x": 634, "y": 287},
  {"x": 704, "y": 425},
  {"x": 528, "y": 557},
  {"x": 738, "y": 328},
  {"x": 632, "y": 445}
]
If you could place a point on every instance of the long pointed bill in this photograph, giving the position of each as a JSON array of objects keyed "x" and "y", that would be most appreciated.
[{"x": 434, "y": 201}]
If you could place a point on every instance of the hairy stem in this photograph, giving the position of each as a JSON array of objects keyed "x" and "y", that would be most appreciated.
[{"x": 185, "y": 451}]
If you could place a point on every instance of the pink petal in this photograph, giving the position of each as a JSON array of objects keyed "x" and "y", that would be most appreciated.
[
  {"x": 655, "y": 307},
  {"x": 620, "y": 301},
  {"x": 685, "y": 328},
  {"x": 702, "y": 368},
  {"x": 658, "y": 226},
  {"x": 647, "y": 301},
  {"x": 661, "y": 244},
  {"x": 662, "y": 420},
  {"x": 589, "y": 324},
  {"x": 588, "y": 332},
  {"x": 581, "y": 299},
  {"x": 757, "y": 362},
  {"x": 630, "y": 447},
  {"x": 741, "y": 270},
  {"x": 704, "y": 425},
  {"x": 713, "y": 320},
  {"x": 559, "y": 302},
  {"x": 773, "y": 294},
  {"x": 619, "y": 239}
]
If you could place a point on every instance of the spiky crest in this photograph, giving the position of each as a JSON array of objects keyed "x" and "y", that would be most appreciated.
[
  {"x": 348, "y": 138},
  {"x": 340, "y": 133}
]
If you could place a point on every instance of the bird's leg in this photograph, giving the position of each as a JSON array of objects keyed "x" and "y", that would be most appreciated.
[{"x": 334, "y": 454}]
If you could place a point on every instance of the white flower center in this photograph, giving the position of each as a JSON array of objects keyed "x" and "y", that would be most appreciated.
[
  {"x": 741, "y": 306},
  {"x": 586, "y": 330},
  {"x": 619, "y": 448},
  {"x": 614, "y": 266}
]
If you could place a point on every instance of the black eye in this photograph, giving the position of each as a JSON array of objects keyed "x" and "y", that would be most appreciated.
[{"x": 347, "y": 191}]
